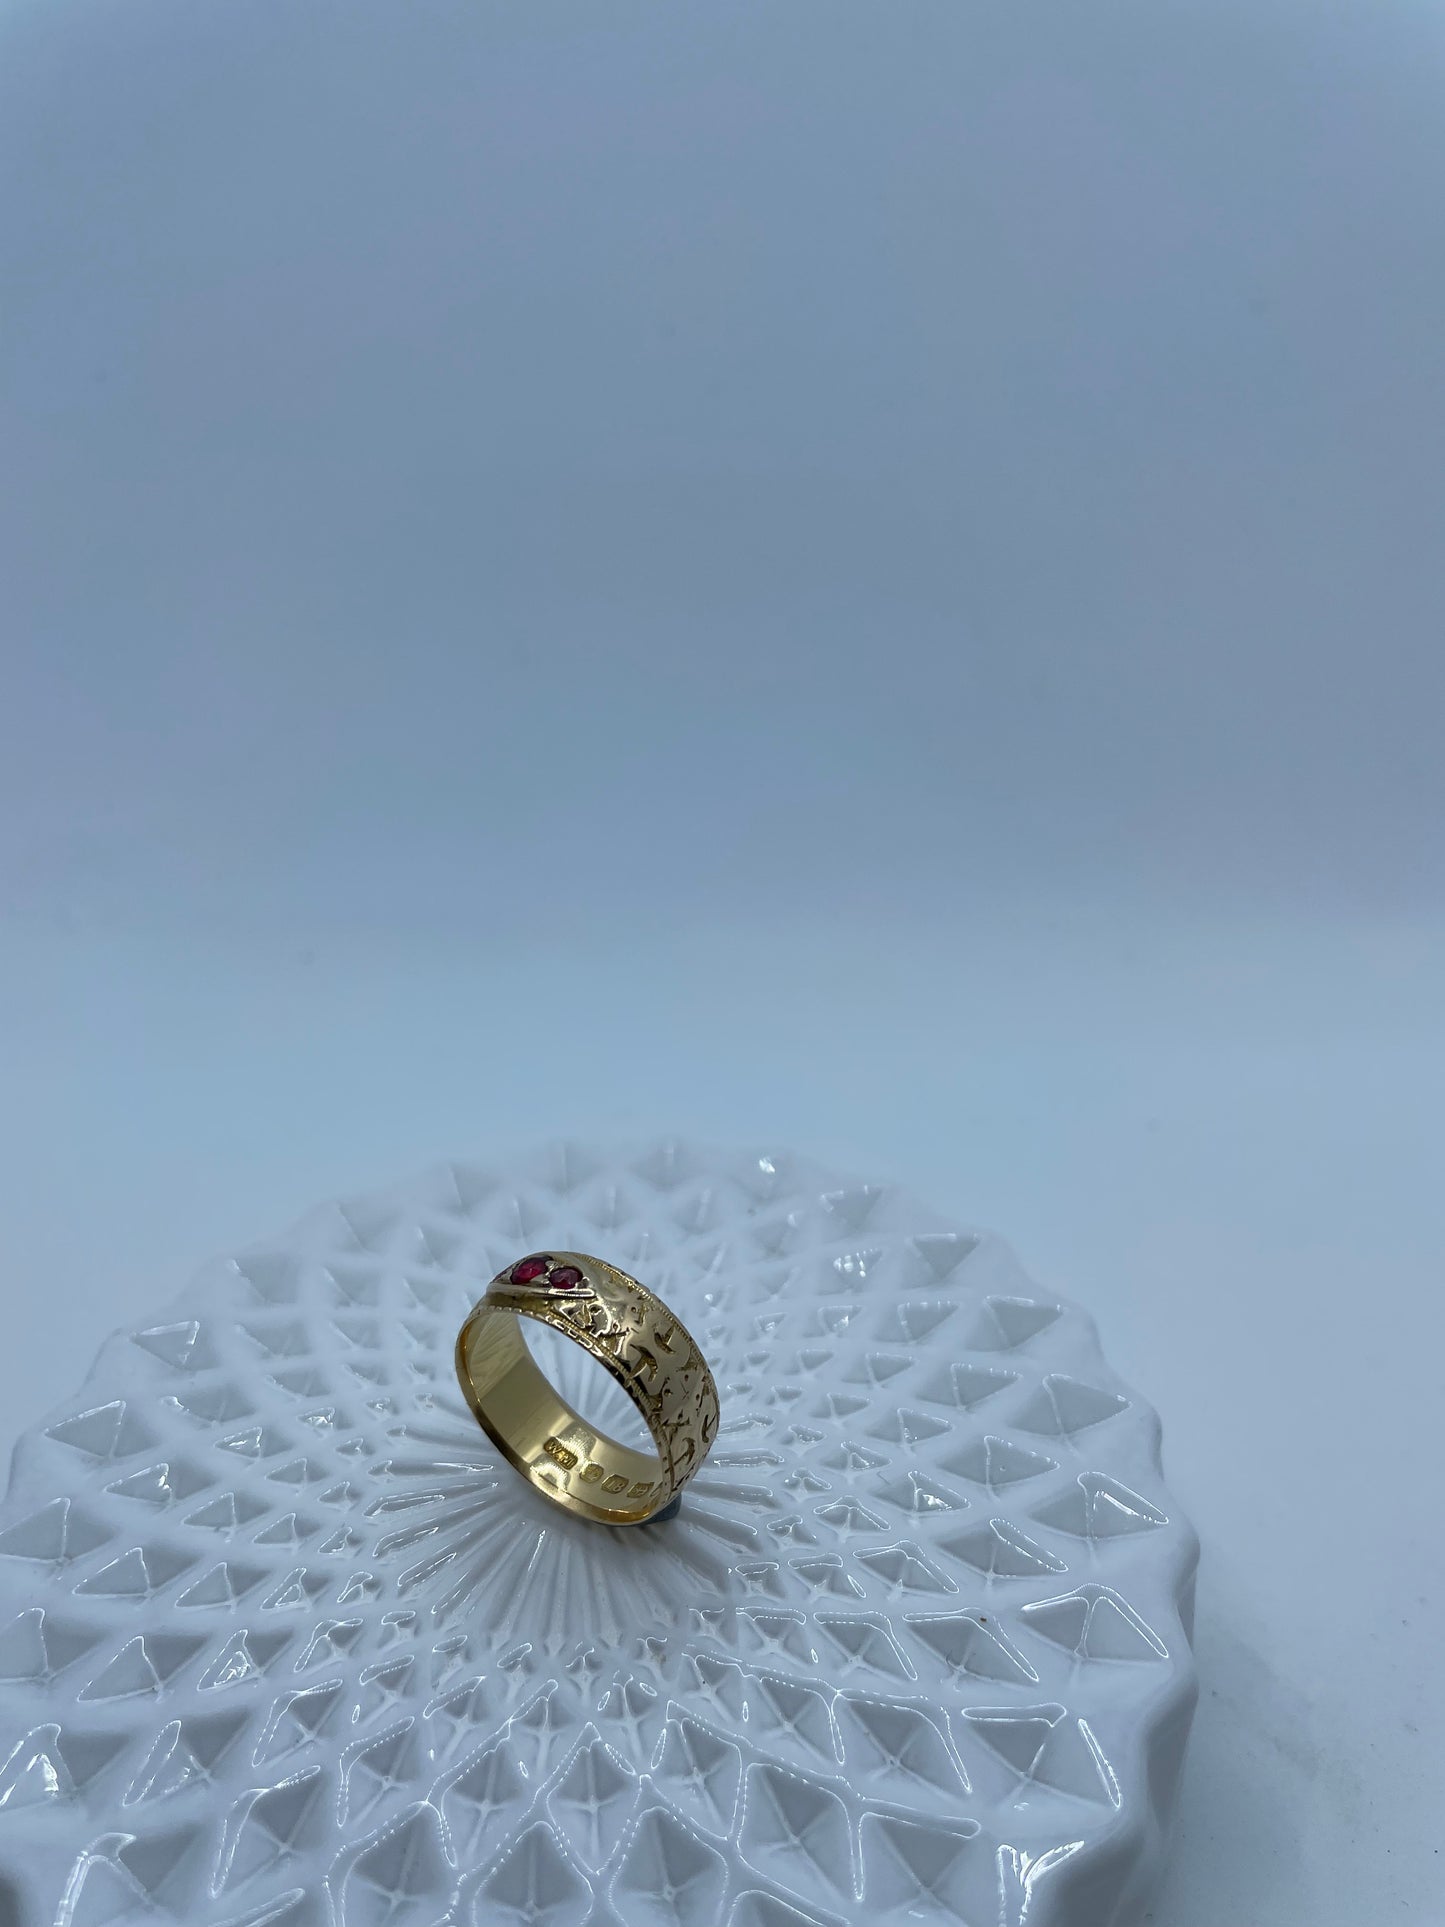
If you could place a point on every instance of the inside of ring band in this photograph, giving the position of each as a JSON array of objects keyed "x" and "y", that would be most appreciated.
[{"x": 528, "y": 1420}]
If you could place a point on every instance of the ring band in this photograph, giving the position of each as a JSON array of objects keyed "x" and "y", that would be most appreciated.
[{"x": 645, "y": 1347}]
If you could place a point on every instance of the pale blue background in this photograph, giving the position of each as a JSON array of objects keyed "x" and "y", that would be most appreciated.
[{"x": 849, "y": 575}]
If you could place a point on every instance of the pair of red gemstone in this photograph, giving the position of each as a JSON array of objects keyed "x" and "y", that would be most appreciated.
[{"x": 531, "y": 1271}]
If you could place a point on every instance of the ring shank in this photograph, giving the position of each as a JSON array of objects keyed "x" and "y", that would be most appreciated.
[{"x": 539, "y": 1433}]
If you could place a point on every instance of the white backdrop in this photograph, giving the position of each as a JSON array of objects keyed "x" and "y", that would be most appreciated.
[{"x": 858, "y": 577}]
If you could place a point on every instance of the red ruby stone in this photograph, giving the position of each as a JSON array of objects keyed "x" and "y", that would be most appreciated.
[
  {"x": 565, "y": 1277},
  {"x": 529, "y": 1270}
]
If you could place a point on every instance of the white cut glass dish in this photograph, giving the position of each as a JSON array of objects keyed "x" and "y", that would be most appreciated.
[{"x": 283, "y": 1643}]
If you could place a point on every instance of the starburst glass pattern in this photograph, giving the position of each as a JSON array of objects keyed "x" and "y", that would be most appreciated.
[{"x": 283, "y": 1643}]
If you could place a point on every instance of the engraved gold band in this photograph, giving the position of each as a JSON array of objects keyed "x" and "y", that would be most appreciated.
[{"x": 645, "y": 1347}]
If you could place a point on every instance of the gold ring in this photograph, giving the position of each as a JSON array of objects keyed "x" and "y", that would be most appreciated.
[{"x": 645, "y": 1347}]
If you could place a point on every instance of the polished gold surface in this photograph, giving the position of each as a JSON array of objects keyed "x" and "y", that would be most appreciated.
[{"x": 645, "y": 1347}]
